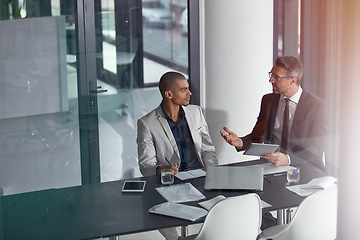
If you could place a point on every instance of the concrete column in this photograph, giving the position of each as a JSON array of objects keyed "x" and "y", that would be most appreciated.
[{"x": 236, "y": 43}]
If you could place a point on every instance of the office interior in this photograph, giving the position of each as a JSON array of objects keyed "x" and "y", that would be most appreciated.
[{"x": 76, "y": 75}]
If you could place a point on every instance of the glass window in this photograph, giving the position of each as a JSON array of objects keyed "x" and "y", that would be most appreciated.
[
  {"x": 165, "y": 38},
  {"x": 137, "y": 42},
  {"x": 287, "y": 28},
  {"x": 39, "y": 138}
]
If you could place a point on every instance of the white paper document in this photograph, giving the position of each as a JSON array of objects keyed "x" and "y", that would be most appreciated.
[
  {"x": 208, "y": 204},
  {"x": 196, "y": 173},
  {"x": 184, "y": 192},
  {"x": 314, "y": 185},
  {"x": 320, "y": 183},
  {"x": 270, "y": 168},
  {"x": 179, "y": 211}
]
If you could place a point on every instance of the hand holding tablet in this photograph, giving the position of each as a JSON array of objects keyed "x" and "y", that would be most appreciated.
[{"x": 258, "y": 149}]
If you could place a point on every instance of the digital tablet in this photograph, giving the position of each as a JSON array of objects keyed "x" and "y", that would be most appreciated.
[
  {"x": 133, "y": 186},
  {"x": 258, "y": 149}
]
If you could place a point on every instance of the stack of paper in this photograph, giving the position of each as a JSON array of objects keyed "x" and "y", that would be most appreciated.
[
  {"x": 184, "y": 192},
  {"x": 191, "y": 174},
  {"x": 320, "y": 183},
  {"x": 208, "y": 204},
  {"x": 270, "y": 168},
  {"x": 179, "y": 211},
  {"x": 314, "y": 185}
]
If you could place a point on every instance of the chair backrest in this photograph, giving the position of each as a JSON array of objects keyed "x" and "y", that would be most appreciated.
[
  {"x": 315, "y": 218},
  {"x": 233, "y": 218}
]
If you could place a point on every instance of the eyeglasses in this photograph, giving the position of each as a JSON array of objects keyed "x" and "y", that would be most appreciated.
[{"x": 277, "y": 78}]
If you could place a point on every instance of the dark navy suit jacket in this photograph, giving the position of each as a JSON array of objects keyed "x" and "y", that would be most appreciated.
[{"x": 308, "y": 133}]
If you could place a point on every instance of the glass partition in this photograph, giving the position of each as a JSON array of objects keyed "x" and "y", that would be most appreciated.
[
  {"x": 137, "y": 41},
  {"x": 39, "y": 138}
]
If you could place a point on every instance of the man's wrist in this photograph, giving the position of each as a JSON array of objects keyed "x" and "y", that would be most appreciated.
[
  {"x": 289, "y": 160},
  {"x": 239, "y": 148}
]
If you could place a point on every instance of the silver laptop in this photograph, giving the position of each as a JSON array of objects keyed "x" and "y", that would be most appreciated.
[{"x": 234, "y": 177}]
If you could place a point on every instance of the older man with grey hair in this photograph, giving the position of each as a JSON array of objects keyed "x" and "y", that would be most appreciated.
[{"x": 291, "y": 117}]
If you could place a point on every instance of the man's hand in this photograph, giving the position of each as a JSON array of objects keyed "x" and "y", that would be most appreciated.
[
  {"x": 174, "y": 168},
  {"x": 231, "y": 138},
  {"x": 277, "y": 158}
]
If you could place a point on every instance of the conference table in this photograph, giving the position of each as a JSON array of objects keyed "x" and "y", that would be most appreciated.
[{"x": 103, "y": 210}]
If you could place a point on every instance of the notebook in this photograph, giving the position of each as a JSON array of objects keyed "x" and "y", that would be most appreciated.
[{"x": 234, "y": 177}]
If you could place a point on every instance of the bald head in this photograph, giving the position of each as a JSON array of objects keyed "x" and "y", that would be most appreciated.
[{"x": 168, "y": 81}]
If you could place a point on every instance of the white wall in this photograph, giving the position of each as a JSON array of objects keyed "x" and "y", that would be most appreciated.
[{"x": 236, "y": 56}]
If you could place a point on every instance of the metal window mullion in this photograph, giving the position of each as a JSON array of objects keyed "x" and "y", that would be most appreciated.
[
  {"x": 194, "y": 50},
  {"x": 88, "y": 111}
]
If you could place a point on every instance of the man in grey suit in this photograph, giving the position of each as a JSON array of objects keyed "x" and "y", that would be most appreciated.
[
  {"x": 306, "y": 125},
  {"x": 175, "y": 131}
]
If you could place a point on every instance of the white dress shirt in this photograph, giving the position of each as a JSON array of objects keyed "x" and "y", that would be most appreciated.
[{"x": 293, "y": 101}]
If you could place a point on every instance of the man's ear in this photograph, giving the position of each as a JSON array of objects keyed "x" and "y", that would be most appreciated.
[{"x": 168, "y": 94}]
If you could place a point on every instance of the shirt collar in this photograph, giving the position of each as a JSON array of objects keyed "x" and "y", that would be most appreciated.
[
  {"x": 181, "y": 113},
  {"x": 294, "y": 98}
]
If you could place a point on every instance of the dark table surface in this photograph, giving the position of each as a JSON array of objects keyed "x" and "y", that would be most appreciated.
[{"x": 103, "y": 210}]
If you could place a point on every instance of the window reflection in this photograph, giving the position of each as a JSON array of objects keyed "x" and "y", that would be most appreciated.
[
  {"x": 137, "y": 41},
  {"x": 39, "y": 141},
  {"x": 150, "y": 35},
  {"x": 165, "y": 44},
  {"x": 39, "y": 128}
]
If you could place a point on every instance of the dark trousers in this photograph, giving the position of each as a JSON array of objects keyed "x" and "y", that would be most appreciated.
[{"x": 267, "y": 221}]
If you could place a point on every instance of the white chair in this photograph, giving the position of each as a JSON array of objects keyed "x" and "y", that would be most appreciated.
[
  {"x": 315, "y": 218},
  {"x": 233, "y": 218}
]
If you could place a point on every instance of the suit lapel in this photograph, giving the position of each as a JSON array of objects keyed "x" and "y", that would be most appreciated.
[
  {"x": 189, "y": 120},
  {"x": 192, "y": 122},
  {"x": 165, "y": 125},
  {"x": 300, "y": 109},
  {"x": 274, "y": 107}
]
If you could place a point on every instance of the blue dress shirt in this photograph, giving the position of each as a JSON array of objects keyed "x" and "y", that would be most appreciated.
[{"x": 185, "y": 144}]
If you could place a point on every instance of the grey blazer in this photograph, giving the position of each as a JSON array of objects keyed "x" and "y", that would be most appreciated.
[{"x": 155, "y": 140}]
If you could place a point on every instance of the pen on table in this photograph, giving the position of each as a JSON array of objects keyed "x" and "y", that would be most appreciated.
[
  {"x": 280, "y": 174},
  {"x": 267, "y": 179},
  {"x": 168, "y": 161}
]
